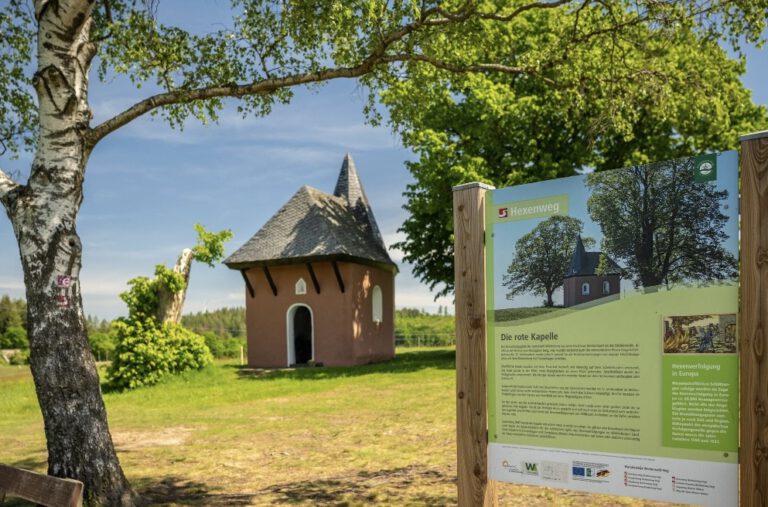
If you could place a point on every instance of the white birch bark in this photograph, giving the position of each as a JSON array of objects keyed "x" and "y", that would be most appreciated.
[{"x": 43, "y": 213}]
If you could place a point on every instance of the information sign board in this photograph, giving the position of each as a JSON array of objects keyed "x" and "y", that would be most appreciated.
[{"x": 612, "y": 361}]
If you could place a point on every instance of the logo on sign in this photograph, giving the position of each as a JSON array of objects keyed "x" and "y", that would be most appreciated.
[
  {"x": 531, "y": 468},
  {"x": 503, "y": 212},
  {"x": 64, "y": 281},
  {"x": 705, "y": 168}
]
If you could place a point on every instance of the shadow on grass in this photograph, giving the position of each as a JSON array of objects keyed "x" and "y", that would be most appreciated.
[
  {"x": 178, "y": 491},
  {"x": 34, "y": 464},
  {"x": 406, "y": 362},
  {"x": 412, "y": 485}
]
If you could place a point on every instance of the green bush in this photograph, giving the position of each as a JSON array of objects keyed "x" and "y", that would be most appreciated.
[
  {"x": 102, "y": 345},
  {"x": 21, "y": 357},
  {"x": 15, "y": 337},
  {"x": 223, "y": 347},
  {"x": 146, "y": 352}
]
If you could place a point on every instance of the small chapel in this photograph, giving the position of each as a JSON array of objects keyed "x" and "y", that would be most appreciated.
[
  {"x": 319, "y": 283},
  {"x": 586, "y": 280}
]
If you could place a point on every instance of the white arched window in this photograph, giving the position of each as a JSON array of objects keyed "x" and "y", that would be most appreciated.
[
  {"x": 585, "y": 289},
  {"x": 301, "y": 286},
  {"x": 378, "y": 304},
  {"x": 606, "y": 287}
]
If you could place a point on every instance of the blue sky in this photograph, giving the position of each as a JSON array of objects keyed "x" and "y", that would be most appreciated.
[{"x": 147, "y": 184}]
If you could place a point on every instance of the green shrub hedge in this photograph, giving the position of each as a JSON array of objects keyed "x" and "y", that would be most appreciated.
[{"x": 146, "y": 352}]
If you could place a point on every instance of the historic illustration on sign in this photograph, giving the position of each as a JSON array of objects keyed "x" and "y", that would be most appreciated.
[{"x": 689, "y": 334}]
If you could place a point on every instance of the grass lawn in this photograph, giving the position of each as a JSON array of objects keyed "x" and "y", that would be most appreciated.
[
  {"x": 510, "y": 314},
  {"x": 226, "y": 436}
]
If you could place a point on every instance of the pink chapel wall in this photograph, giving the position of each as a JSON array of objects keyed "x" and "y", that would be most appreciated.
[
  {"x": 572, "y": 288},
  {"x": 344, "y": 331}
]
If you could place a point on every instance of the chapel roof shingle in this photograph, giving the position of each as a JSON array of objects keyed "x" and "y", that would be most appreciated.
[
  {"x": 314, "y": 225},
  {"x": 585, "y": 263}
]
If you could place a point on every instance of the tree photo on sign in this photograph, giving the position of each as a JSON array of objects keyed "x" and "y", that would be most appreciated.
[
  {"x": 559, "y": 61},
  {"x": 657, "y": 228},
  {"x": 542, "y": 257},
  {"x": 663, "y": 225}
]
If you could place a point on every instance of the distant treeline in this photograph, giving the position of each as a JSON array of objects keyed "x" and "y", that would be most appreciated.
[
  {"x": 224, "y": 329},
  {"x": 225, "y": 322},
  {"x": 13, "y": 323},
  {"x": 414, "y": 328}
]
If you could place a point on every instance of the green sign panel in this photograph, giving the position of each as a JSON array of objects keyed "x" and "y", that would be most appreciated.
[{"x": 612, "y": 333}]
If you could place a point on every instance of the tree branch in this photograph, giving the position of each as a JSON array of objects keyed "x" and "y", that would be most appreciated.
[
  {"x": 475, "y": 67},
  {"x": 522, "y": 9},
  {"x": 378, "y": 56},
  {"x": 265, "y": 86},
  {"x": 261, "y": 87},
  {"x": 7, "y": 185}
]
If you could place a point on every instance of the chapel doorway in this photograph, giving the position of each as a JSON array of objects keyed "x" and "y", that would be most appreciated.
[{"x": 302, "y": 335}]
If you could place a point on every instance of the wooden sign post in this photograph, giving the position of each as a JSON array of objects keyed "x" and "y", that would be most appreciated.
[
  {"x": 474, "y": 487},
  {"x": 753, "y": 346},
  {"x": 471, "y": 374}
]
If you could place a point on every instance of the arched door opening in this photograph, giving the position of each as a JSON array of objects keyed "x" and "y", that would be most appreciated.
[{"x": 300, "y": 335}]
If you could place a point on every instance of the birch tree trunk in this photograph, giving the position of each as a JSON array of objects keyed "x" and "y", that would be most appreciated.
[
  {"x": 170, "y": 304},
  {"x": 43, "y": 213}
]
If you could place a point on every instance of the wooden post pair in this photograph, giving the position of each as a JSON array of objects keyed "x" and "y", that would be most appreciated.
[{"x": 471, "y": 375}]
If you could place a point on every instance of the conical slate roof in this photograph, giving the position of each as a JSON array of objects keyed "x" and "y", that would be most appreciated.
[
  {"x": 313, "y": 226},
  {"x": 585, "y": 263},
  {"x": 349, "y": 188}
]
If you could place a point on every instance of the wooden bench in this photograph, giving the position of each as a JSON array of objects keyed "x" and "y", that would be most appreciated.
[{"x": 39, "y": 488}]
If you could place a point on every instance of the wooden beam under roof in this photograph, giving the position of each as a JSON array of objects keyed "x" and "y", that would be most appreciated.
[
  {"x": 314, "y": 277},
  {"x": 270, "y": 281},
  {"x": 338, "y": 276},
  {"x": 251, "y": 291}
]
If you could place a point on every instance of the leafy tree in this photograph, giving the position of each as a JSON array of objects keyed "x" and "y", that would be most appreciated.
[
  {"x": 12, "y": 313},
  {"x": 150, "y": 343},
  {"x": 664, "y": 226},
  {"x": 94, "y": 325},
  {"x": 407, "y": 312},
  {"x": 270, "y": 47},
  {"x": 223, "y": 347},
  {"x": 15, "y": 337},
  {"x": 162, "y": 297},
  {"x": 102, "y": 344},
  {"x": 148, "y": 347},
  {"x": 652, "y": 92},
  {"x": 210, "y": 247},
  {"x": 542, "y": 257}
]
